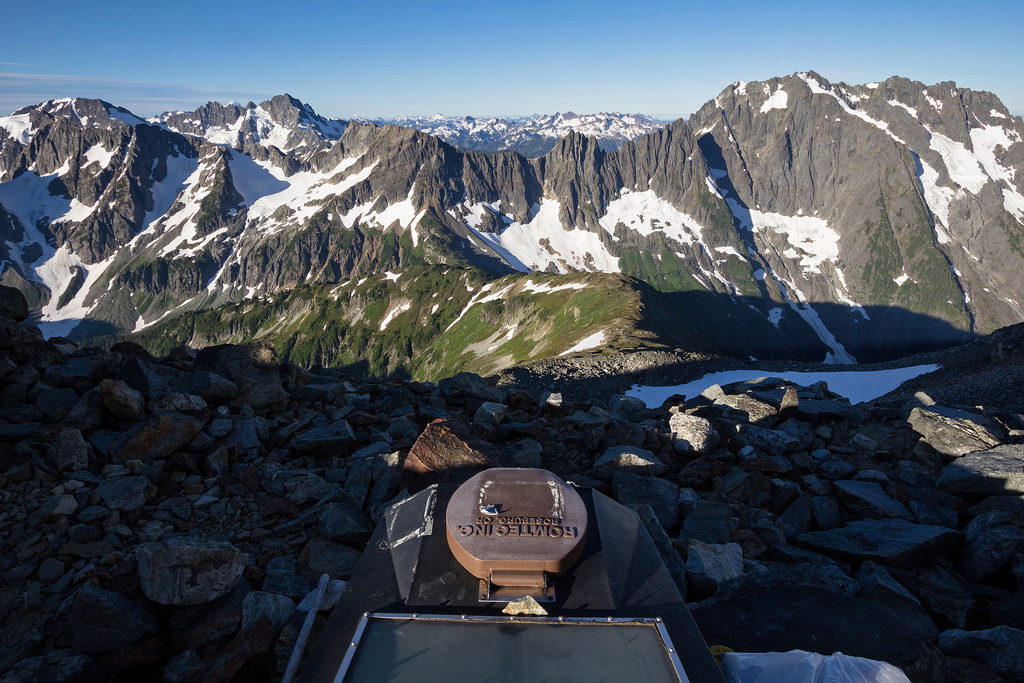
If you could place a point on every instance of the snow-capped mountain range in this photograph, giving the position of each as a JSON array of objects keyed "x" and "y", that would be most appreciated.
[
  {"x": 789, "y": 218},
  {"x": 531, "y": 136}
]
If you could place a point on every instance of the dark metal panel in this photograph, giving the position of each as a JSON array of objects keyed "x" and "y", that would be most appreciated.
[{"x": 620, "y": 574}]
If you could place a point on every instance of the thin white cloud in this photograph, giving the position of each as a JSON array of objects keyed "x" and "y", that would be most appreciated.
[{"x": 18, "y": 89}]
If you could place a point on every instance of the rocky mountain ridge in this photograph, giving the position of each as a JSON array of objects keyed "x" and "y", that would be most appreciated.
[
  {"x": 282, "y": 122},
  {"x": 167, "y": 519},
  {"x": 794, "y": 218}
]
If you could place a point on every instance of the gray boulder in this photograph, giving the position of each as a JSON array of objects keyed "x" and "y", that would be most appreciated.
[
  {"x": 183, "y": 403},
  {"x": 788, "y": 616},
  {"x": 489, "y": 413},
  {"x": 826, "y": 512},
  {"x": 157, "y": 437},
  {"x": 340, "y": 521},
  {"x": 473, "y": 385},
  {"x": 993, "y": 540},
  {"x": 710, "y": 522},
  {"x": 770, "y": 440},
  {"x": 945, "y": 595},
  {"x": 274, "y": 606},
  {"x": 868, "y": 499},
  {"x": 669, "y": 555},
  {"x": 57, "y": 665},
  {"x": 282, "y": 578},
  {"x": 123, "y": 493},
  {"x": 661, "y": 495},
  {"x": 1001, "y": 648},
  {"x": 69, "y": 451},
  {"x": 896, "y": 542},
  {"x": 324, "y": 393},
  {"x": 52, "y": 509},
  {"x": 709, "y": 565},
  {"x": 154, "y": 381},
  {"x": 874, "y": 582},
  {"x": 998, "y": 470},
  {"x": 188, "y": 571},
  {"x": 955, "y": 432},
  {"x": 691, "y": 433},
  {"x": 630, "y": 459},
  {"x": 253, "y": 368},
  {"x": 332, "y": 593},
  {"x": 749, "y": 408},
  {"x": 818, "y": 410},
  {"x": 337, "y": 434}
]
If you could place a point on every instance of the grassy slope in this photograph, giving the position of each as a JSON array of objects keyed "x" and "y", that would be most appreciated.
[{"x": 422, "y": 324}]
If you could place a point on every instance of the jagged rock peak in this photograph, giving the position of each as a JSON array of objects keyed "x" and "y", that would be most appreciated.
[
  {"x": 282, "y": 121},
  {"x": 85, "y": 112}
]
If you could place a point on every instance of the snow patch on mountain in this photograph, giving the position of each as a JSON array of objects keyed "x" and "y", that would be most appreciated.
[
  {"x": 858, "y": 386},
  {"x": 986, "y": 141},
  {"x": 776, "y": 100},
  {"x": 401, "y": 308},
  {"x": 962, "y": 165},
  {"x": 124, "y": 116},
  {"x": 97, "y": 154},
  {"x": 304, "y": 192},
  {"x": 936, "y": 196},
  {"x": 591, "y": 342},
  {"x": 897, "y": 103},
  {"x": 65, "y": 267},
  {"x": 546, "y": 288},
  {"x": 141, "y": 324},
  {"x": 28, "y": 197},
  {"x": 18, "y": 126},
  {"x": 810, "y": 238},
  {"x": 403, "y": 212},
  {"x": 731, "y": 251},
  {"x": 180, "y": 170},
  {"x": 184, "y": 219},
  {"x": 482, "y": 297},
  {"x": 647, "y": 213},
  {"x": 253, "y": 179},
  {"x": 543, "y": 242}
]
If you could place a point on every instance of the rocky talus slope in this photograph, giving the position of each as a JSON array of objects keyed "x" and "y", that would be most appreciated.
[{"x": 166, "y": 519}]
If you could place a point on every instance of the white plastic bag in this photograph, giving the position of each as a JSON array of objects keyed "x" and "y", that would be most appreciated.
[{"x": 798, "y": 666}]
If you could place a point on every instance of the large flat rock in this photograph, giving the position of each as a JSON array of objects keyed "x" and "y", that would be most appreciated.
[
  {"x": 955, "y": 432},
  {"x": 895, "y": 542},
  {"x": 998, "y": 470}
]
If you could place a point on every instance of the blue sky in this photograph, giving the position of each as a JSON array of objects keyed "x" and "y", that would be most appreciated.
[{"x": 484, "y": 59}]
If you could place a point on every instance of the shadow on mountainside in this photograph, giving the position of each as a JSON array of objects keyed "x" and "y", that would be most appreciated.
[
  {"x": 986, "y": 371},
  {"x": 741, "y": 327}
]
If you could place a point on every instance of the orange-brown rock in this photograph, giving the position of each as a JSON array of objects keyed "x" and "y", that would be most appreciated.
[{"x": 447, "y": 450}]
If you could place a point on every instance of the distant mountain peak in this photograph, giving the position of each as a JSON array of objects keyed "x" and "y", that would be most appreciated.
[
  {"x": 530, "y": 136},
  {"x": 283, "y": 122}
]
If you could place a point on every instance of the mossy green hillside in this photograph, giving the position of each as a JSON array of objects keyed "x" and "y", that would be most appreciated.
[{"x": 430, "y": 322}]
